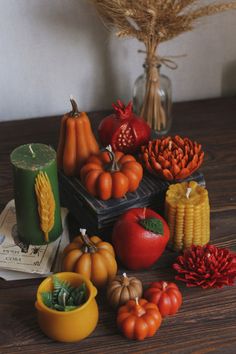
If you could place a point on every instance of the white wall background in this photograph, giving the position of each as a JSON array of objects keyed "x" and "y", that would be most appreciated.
[{"x": 52, "y": 48}]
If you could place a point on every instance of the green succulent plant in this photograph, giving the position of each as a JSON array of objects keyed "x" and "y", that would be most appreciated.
[{"x": 64, "y": 297}]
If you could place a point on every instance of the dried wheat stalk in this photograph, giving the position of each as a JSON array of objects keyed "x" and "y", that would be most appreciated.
[
  {"x": 46, "y": 203},
  {"x": 153, "y": 22}
]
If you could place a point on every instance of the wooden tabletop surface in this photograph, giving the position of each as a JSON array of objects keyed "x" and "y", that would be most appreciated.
[{"x": 206, "y": 322}]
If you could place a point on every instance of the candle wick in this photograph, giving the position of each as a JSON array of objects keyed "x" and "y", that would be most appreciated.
[
  {"x": 83, "y": 232},
  {"x": 32, "y": 151},
  {"x": 189, "y": 190}
]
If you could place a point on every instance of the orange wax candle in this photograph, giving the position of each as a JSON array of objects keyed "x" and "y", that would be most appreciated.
[{"x": 187, "y": 212}]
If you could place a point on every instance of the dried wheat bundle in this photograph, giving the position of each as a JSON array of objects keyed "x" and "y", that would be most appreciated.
[
  {"x": 153, "y": 22},
  {"x": 46, "y": 203}
]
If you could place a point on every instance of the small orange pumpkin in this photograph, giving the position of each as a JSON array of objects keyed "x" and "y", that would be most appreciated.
[
  {"x": 111, "y": 174},
  {"x": 166, "y": 296},
  {"x": 76, "y": 141},
  {"x": 138, "y": 319},
  {"x": 91, "y": 257}
]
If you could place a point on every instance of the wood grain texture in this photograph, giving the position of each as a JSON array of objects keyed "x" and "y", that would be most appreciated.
[{"x": 206, "y": 322}]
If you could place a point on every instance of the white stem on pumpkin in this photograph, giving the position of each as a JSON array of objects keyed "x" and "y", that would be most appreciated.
[
  {"x": 164, "y": 285},
  {"x": 189, "y": 190},
  {"x": 32, "y": 151},
  {"x": 125, "y": 280},
  {"x": 136, "y": 300},
  {"x": 170, "y": 145},
  {"x": 82, "y": 231}
]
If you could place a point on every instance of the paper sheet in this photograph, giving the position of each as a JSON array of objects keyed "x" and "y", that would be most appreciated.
[{"x": 20, "y": 261}]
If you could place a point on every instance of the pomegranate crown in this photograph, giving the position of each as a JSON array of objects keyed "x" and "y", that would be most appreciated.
[{"x": 122, "y": 111}]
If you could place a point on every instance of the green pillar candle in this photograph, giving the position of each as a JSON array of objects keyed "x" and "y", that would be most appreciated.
[{"x": 29, "y": 161}]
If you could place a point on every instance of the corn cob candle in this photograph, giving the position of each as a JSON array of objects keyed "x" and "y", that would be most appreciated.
[{"x": 187, "y": 212}]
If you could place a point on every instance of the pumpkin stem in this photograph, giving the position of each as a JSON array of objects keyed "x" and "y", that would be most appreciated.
[
  {"x": 89, "y": 246},
  {"x": 125, "y": 280},
  {"x": 139, "y": 310},
  {"x": 164, "y": 285},
  {"x": 75, "y": 111},
  {"x": 114, "y": 165}
]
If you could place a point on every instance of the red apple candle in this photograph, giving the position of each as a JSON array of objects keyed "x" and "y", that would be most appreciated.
[{"x": 139, "y": 238}]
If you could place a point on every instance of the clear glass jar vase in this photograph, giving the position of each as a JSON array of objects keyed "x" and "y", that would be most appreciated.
[{"x": 152, "y": 99}]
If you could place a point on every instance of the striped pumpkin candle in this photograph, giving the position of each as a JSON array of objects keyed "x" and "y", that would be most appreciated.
[{"x": 187, "y": 212}]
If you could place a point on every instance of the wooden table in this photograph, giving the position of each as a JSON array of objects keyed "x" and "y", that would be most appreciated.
[{"x": 207, "y": 320}]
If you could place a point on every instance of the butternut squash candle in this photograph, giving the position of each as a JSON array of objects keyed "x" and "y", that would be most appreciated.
[
  {"x": 36, "y": 193},
  {"x": 187, "y": 213}
]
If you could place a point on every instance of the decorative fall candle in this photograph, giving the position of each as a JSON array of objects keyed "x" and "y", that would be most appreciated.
[
  {"x": 36, "y": 193},
  {"x": 187, "y": 212}
]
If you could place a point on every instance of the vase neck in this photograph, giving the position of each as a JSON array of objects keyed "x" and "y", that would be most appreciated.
[{"x": 147, "y": 67}]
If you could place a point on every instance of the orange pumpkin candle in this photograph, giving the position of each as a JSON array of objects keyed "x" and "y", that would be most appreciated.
[
  {"x": 90, "y": 257},
  {"x": 139, "y": 319},
  {"x": 187, "y": 212},
  {"x": 111, "y": 174}
]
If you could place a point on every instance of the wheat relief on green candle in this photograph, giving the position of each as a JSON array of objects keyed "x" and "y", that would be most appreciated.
[{"x": 36, "y": 193}]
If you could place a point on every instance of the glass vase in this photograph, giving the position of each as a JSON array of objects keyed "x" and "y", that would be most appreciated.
[{"x": 152, "y": 99}]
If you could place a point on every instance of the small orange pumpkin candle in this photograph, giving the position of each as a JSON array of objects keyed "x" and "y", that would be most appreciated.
[
  {"x": 187, "y": 212},
  {"x": 138, "y": 319}
]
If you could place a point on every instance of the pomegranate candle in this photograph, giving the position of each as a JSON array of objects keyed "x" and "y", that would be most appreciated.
[{"x": 187, "y": 213}]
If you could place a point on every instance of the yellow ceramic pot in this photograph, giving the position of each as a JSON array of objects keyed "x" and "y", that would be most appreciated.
[{"x": 69, "y": 326}]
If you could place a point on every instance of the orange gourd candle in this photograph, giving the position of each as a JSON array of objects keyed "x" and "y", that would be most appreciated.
[
  {"x": 76, "y": 141},
  {"x": 187, "y": 212}
]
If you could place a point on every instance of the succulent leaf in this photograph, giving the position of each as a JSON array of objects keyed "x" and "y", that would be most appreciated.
[
  {"x": 64, "y": 297},
  {"x": 47, "y": 298}
]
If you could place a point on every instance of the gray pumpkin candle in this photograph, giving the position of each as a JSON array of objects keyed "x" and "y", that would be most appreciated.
[{"x": 36, "y": 193}]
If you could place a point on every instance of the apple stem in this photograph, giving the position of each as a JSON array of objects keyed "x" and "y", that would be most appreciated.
[{"x": 144, "y": 212}]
